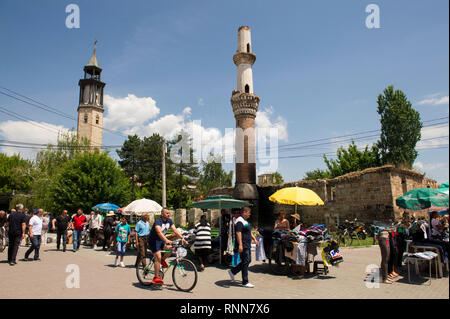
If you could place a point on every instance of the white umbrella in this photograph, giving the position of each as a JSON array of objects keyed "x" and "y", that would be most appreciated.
[{"x": 141, "y": 206}]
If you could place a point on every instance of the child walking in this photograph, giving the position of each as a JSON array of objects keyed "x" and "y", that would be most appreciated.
[{"x": 123, "y": 231}]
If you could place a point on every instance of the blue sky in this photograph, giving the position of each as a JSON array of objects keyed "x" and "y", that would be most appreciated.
[{"x": 318, "y": 68}]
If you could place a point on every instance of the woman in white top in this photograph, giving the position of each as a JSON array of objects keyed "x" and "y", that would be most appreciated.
[{"x": 45, "y": 222}]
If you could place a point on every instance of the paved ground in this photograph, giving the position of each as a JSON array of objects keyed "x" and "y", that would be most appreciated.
[{"x": 99, "y": 279}]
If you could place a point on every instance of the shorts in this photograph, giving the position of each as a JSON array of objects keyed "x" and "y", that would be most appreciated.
[
  {"x": 93, "y": 233},
  {"x": 121, "y": 248},
  {"x": 156, "y": 245}
]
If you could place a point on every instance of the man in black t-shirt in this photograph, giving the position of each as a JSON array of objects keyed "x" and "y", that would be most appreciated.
[
  {"x": 244, "y": 238},
  {"x": 16, "y": 232},
  {"x": 61, "y": 224}
]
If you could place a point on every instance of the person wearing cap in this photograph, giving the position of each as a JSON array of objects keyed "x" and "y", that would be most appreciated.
[
  {"x": 108, "y": 226},
  {"x": 296, "y": 224}
]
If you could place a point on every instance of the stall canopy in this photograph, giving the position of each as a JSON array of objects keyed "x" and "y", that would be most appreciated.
[
  {"x": 106, "y": 207},
  {"x": 296, "y": 196},
  {"x": 423, "y": 198}
]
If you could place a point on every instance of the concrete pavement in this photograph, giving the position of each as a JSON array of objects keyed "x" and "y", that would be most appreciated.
[{"x": 100, "y": 279}]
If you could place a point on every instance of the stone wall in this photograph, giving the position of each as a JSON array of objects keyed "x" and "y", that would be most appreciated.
[{"x": 367, "y": 195}]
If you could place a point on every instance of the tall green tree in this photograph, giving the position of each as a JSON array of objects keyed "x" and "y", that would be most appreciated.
[
  {"x": 15, "y": 174},
  {"x": 89, "y": 179},
  {"x": 400, "y": 128},
  {"x": 213, "y": 175}
]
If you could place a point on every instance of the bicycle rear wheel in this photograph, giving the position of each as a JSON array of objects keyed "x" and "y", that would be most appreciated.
[
  {"x": 184, "y": 275},
  {"x": 145, "y": 274}
]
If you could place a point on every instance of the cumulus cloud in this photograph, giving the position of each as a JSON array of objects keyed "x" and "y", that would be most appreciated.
[
  {"x": 263, "y": 120},
  {"x": 130, "y": 111},
  {"x": 432, "y": 100},
  {"x": 29, "y": 132},
  {"x": 428, "y": 166},
  {"x": 434, "y": 136}
]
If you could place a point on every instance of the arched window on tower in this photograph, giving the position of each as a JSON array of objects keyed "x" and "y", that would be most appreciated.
[
  {"x": 248, "y": 47},
  {"x": 97, "y": 119},
  {"x": 85, "y": 118},
  {"x": 247, "y": 89}
]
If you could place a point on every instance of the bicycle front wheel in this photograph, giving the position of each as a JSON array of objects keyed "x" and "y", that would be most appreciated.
[
  {"x": 145, "y": 271},
  {"x": 184, "y": 275}
]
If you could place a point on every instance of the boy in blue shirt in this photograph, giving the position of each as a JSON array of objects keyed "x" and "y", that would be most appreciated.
[{"x": 123, "y": 231}]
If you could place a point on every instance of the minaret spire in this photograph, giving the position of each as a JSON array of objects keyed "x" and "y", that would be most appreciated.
[{"x": 245, "y": 105}]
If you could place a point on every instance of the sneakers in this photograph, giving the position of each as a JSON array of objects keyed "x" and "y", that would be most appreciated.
[
  {"x": 157, "y": 281},
  {"x": 249, "y": 285},
  {"x": 122, "y": 264},
  {"x": 231, "y": 274},
  {"x": 116, "y": 262},
  {"x": 95, "y": 246},
  {"x": 164, "y": 264}
]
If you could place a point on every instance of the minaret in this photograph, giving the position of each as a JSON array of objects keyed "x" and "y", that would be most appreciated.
[
  {"x": 90, "y": 107},
  {"x": 245, "y": 105}
]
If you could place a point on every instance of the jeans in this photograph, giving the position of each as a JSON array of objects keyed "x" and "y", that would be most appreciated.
[
  {"x": 35, "y": 245},
  {"x": 246, "y": 257},
  {"x": 64, "y": 239},
  {"x": 13, "y": 247},
  {"x": 77, "y": 239}
]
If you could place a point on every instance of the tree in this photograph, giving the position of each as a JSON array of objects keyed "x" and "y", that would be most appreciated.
[
  {"x": 15, "y": 174},
  {"x": 400, "y": 128},
  {"x": 348, "y": 160},
  {"x": 352, "y": 160},
  {"x": 317, "y": 174},
  {"x": 212, "y": 175},
  {"x": 49, "y": 163},
  {"x": 89, "y": 179}
]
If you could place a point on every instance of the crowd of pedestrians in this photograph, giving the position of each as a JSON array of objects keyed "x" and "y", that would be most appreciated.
[{"x": 21, "y": 224}]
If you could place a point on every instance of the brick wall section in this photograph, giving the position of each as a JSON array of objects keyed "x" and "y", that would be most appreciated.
[{"x": 367, "y": 195}]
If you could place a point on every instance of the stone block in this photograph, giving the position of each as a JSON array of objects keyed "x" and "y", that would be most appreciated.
[
  {"x": 194, "y": 216},
  {"x": 180, "y": 217}
]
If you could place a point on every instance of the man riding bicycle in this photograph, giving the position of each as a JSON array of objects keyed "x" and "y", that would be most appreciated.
[{"x": 157, "y": 241}]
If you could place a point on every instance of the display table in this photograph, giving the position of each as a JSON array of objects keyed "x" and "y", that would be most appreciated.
[{"x": 311, "y": 252}]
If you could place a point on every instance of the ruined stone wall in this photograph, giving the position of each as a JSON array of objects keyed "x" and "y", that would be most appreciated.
[{"x": 367, "y": 195}]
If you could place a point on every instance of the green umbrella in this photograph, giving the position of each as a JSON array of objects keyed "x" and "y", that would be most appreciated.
[
  {"x": 422, "y": 198},
  {"x": 220, "y": 202},
  {"x": 444, "y": 185}
]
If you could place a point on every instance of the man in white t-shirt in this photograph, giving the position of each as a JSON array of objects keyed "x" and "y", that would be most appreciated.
[
  {"x": 35, "y": 232},
  {"x": 95, "y": 221}
]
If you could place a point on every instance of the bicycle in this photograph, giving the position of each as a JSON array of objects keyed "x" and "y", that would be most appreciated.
[{"x": 184, "y": 273}]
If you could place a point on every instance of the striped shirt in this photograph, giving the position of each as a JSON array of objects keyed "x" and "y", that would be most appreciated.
[{"x": 202, "y": 236}]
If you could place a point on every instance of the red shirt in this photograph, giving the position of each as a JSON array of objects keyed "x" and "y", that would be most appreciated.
[{"x": 77, "y": 221}]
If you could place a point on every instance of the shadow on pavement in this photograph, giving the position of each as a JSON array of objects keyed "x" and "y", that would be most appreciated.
[{"x": 227, "y": 283}]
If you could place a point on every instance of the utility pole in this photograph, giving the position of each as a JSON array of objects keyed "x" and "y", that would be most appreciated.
[{"x": 163, "y": 202}]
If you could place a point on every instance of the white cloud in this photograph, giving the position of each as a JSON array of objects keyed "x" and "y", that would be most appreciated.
[
  {"x": 434, "y": 101},
  {"x": 29, "y": 132},
  {"x": 263, "y": 120},
  {"x": 429, "y": 166},
  {"x": 130, "y": 111},
  {"x": 433, "y": 137}
]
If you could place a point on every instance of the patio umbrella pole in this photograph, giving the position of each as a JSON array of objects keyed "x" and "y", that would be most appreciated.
[{"x": 220, "y": 235}]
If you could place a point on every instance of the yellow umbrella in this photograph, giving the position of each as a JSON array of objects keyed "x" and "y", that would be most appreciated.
[{"x": 296, "y": 196}]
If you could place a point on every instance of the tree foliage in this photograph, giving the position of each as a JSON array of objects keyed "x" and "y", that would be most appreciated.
[
  {"x": 400, "y": 128},
  {"x": 89, "y": 179},
  {"x": 15, "y": 174},
  {"x": 213, "y": 176}
]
